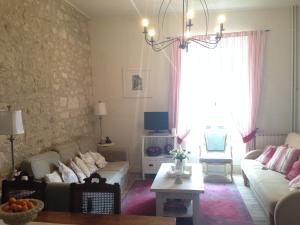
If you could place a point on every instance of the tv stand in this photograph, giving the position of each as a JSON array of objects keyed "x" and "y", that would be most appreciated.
[{"x": 151, "y": 164}]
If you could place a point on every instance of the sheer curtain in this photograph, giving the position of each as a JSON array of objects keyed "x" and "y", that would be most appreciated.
[{"x": 216, "y": 88}]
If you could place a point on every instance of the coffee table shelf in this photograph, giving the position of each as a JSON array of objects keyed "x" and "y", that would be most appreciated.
[
  {"x": 174, "y": 213},
  {"x": 165, "y": 188}
]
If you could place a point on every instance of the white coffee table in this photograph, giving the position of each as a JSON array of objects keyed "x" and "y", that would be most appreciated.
[{"x": 165, "y": 188}]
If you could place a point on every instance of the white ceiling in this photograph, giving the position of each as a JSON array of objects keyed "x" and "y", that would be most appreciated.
[{"x": 96, "y": 8}]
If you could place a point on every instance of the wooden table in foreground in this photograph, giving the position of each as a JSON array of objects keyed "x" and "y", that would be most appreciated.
[
  {"x": 89, "y": 219},
  {"x": 165, "y": 188}
]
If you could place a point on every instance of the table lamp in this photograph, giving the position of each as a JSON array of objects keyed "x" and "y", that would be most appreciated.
[
  {"x": 100, "y": 111},
  {"x": 11, "y": 124}
]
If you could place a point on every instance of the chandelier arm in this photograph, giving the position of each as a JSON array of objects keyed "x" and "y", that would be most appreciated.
[
  {"x": 183, "y": 19},
  {"x": 164, "y": 16},
  {"x": 157, "y": 49},
  {"x": 205, "y": 44},
  {"x": 158, "y": 18},
  {"x": 163, "y": 42},
  {"x": 206, "y": 15}
]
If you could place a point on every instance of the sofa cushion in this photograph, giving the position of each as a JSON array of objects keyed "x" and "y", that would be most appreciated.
[
  {"x": 114, "y": 171},
  {"x": 271, "y": 191},
  {"x": 121, "y": 166},
  {"x": 81, "y": 176},
  {"x": 295, "y": 183},
  {"x": 40, "y": 165},
  {"x": 283, "y": 159},
  {"x": 86, "y": 144},
  {"x": 80, "y": 163},
  {"x": 268, "y": 185},
  {"x": 67, "y": 151},
  {"x": 89, "y": 161},
  {"x": 67, "y": 173},
  {"x": 267, "y": 154},
  {"x": 294, "y": 172},
  {"x": 99, "y": 159},
  {"x": 53, "y": 177}
]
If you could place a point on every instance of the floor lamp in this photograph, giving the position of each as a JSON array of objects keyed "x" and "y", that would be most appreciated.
[
  {"x": 100, "y": 111},
  {"x": 11, "y": 124}
]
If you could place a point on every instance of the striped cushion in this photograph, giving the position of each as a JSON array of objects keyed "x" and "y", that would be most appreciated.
[
  {"x": 267, "y": 154},
  {"x": 283, "y": 159}
]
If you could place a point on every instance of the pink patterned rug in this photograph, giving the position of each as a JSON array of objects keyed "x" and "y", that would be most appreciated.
[{"x": 221, "y": 204}]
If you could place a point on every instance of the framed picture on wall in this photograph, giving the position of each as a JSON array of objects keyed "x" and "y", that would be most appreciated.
[{"x": 136, "y": 83}]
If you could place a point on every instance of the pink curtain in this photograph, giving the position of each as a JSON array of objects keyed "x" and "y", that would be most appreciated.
[
  {"x": 256, "y": 42},
  {"x": 254, "y": 46},
  {"x": 174, "y": 89},
  {"x": 256, "y": 49},
  {"x": 174, "y": 92}
]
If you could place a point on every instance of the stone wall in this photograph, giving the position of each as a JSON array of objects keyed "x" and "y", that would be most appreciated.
[{"x": 45, "y": 71}]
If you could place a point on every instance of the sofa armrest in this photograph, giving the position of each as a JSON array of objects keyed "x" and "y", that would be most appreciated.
[
  {"x": 253, "y": 154},
  {"x": 287, "y": 209},
  {"x": 112, "y": 155}
]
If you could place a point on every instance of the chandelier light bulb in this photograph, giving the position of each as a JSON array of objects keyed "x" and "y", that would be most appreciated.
[
  {"x": 221, "y": 19},
  {"x": 145, "y": 22},
  {"x": 151, "y": 33},
  {"x": 190, "y": 14}
]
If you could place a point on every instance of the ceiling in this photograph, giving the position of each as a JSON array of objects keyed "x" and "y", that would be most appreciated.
[{"x": 97, "y": 8}]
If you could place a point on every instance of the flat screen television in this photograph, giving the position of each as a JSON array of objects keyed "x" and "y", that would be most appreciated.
[{"x": 156, "y": 121}]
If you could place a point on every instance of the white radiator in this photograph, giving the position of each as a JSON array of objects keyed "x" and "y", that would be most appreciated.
[{"x": 269, "y": 139}]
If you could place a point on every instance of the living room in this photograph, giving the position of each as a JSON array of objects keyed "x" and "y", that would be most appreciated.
[{"x": 60, "y": 58}]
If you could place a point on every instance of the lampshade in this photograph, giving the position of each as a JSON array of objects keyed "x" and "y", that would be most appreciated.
[
  {"x": 11, "y": 122},
  {"x": 100, "y": 109}
]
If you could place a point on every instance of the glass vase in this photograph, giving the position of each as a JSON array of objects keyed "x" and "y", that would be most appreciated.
[{"x": 179, "y": 166}]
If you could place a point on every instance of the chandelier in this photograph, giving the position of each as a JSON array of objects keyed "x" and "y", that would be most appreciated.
[{"x": 208, "y": 40}]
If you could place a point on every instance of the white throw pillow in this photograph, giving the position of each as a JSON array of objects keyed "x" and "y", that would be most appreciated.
[
  {"x": 89, "y": 161},
  {"x": 53, "y": 177},
  {"x": 67, "y": 174},
  {"x": 81, "y": 176},
  {"x": 99, "y": 159},
  {"x": 82, "y": 166}
]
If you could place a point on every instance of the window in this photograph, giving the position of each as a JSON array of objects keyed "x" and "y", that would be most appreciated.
[{"x": 214, "y": 88}]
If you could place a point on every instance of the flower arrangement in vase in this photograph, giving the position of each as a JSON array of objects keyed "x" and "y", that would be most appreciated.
[{"x": 180, "y": 155}]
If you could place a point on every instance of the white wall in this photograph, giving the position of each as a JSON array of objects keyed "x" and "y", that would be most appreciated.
[{"x": 118, "y": 43}]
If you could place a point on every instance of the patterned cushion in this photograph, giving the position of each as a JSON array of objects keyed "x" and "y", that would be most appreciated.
[
  {"x": 67, "y": 174},
  {"x": 78, "y": 161},
  {"x": 89, "y": 161},
  {"x": 81, "y": 176},
  {"x": 267, "y": 154},
  {"x": 283, "y": 159},
  {"x": 99, "y": 159},
  {"x": 294, "y": 172},
  {"x": 53, "y": 177}
]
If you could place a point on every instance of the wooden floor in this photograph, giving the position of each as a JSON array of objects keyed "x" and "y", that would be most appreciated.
[
  {"x": 252, "y": 204},
  {"x": 254, "y": 208}
]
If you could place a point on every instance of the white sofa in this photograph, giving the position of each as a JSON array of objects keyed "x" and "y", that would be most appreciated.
[
  {"x": 57, "y": 194},
  {"x": 271, "y": 188}
]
